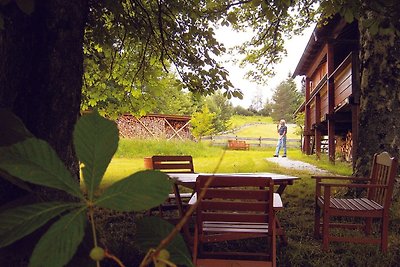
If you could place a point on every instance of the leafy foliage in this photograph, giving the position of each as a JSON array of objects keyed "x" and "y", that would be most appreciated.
[
  {"x": 131, "y": 45},
  {"x": 202, "y": 123},
  {"x": 222, "y": 109},
  {"x": 300, "y": 122},
  {"x": 267, "y": 108},
  {"x": 239, "y": 110},
  {"x": 286, "y": 99},
  {"x": 157, "y": 229},
  {"x": 62, "y": 239},
  {"x": 21, "y": 221},
  {"x": 34, "y": 161}
]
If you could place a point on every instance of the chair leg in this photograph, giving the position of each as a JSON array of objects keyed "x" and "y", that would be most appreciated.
[
  {"x": 325, "y": 232},
  {"x": 195, "y": 245},
  {"x": 368, "y": 226},
  {"x": 317, "y": 222},
  {"x": 273, "y": 250},
  {"x": 281, "y": 232},
  {"x": 384, "y": 235}
]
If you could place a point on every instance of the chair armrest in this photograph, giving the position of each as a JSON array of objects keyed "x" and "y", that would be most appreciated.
[
  {"x": 340, "y": 178},
  {"x": 319, "y": 183},
  {"x": 353, "y": 185}
]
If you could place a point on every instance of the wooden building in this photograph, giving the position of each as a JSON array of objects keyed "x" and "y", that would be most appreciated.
[
  {"x": 330, "y": 67},
  {"x": 155, "y": 126}
]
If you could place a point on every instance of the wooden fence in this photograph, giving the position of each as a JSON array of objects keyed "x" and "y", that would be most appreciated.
[{"x": 222, "y": 140}]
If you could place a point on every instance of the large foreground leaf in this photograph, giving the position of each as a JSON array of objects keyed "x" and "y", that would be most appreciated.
[
  {"x": 150, "y": 232},
  {"x": 33, "y": 160},
  {"x": 60, "y": 242},
  {"x": 19, "y": 222},
  {"x": 12, "y": 129},
  {"x": 140, "y": 191},
  {"x": 96, "y": 140}
]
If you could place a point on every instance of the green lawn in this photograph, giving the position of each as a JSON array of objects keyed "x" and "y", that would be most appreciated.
[
  {"x": 266, "y": 131},
  {"x": 258, "y": 126},
  {"x": 298, "y": 213},
  {"x": 238, "y": 120},
  {"x": 297, "y": 216}
]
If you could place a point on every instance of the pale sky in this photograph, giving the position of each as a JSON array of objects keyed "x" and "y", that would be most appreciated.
[{"x": 295, "y": 48}]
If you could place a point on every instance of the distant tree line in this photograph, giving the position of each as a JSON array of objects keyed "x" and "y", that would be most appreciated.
[{"x": 285, "y": 100}]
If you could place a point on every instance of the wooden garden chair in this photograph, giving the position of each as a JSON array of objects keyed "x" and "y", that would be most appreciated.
[
  {"x": 375, "y": 204},
  {"x": 174, "y": 164},
  {"x": 234, "y": 208}
]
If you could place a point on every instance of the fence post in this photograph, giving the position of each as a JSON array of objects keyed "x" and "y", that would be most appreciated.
[
  {"x": 236, "y": 138},
  {"x": 260, "y": 142}
]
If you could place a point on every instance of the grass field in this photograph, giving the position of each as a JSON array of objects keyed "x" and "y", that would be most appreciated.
[
  {"x": 266, "y": 131},
  {"x": 238, "y": 120},
  {"x": 258, "y": 126},
  {"x": 296, "y": 217}
]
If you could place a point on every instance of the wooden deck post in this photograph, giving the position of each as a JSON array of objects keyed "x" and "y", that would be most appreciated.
[
  {"x": 331, "y": 104},
  {"x": 355, "y": 104},
  {"x": 306, "y": 145},
  {"x": 318, "y": 121}
]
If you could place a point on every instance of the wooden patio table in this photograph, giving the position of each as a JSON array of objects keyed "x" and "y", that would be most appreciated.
[{"x": 188, "y": 180}]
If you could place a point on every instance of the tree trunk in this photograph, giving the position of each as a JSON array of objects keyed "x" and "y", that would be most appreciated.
[
  {"x": 379, "y": 121},
  {"x": 41, "y": 71}
]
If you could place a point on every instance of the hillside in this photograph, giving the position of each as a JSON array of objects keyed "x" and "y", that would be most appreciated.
[{"x": 257, "y": 126}]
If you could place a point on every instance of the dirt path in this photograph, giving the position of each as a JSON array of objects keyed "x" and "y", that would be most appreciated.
[{"x": 296, "y": 164}]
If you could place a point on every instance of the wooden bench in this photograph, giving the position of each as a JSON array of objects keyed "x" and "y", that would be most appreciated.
[{"x": 238, "y": 144}]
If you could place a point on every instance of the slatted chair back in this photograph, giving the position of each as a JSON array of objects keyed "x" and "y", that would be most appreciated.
[
  {"x": 173, "y": 164},
  {"x": 383, "y": 172},
  {"x": 362, "y": 212},
  {"x": 235, "y": 207}
]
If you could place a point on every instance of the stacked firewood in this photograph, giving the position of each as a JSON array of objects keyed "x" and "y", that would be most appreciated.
[
  {"x": 346, "y": 148},
  {"x": 147, "y": 127},
  {"x": 151, "y": 127},
  {"x": 176, "y": 131}
]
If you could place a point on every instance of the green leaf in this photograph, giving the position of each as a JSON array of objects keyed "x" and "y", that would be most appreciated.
[
  {"x": 60, "y": 242},
  {"x": 12, "y": 129},
  {"x": 33, "y": 160},
  {"x": 96, "y": 140},
  {"x": 27, "y": 6},
  {"x": 368, "y": 22},
  {"x": 374, "y": 28},
  {"x": 348, "y": 16},
  {"x": 140, "y": 191},
  {"x": 19, "y": 222},
  {"x": 150, "y": 232}
]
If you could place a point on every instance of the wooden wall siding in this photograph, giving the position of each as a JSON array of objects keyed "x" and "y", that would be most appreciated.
[
  {"x": 312, "y": 113},
  {"x": 324, "y": 102},
  {"x": 152, "y": 127},
  {"x": 318, "y": 75},
  {"x": 343, "y": 85}
]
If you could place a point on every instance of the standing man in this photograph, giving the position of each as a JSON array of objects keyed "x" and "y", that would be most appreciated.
[{"x": 282, "y": 130}]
